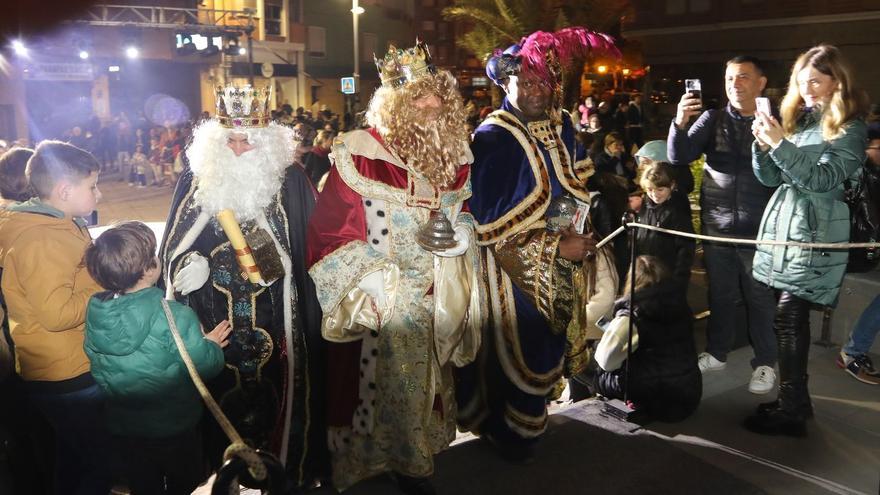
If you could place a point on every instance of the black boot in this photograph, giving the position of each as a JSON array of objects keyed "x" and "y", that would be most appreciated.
[
  {"x": 777, "y": 422},
  {"x": 787, "y": 414},
  {"x": 414, "y": 486},
  {"x": 509, "y": 445},
  {"x": 804, "y": 407}
]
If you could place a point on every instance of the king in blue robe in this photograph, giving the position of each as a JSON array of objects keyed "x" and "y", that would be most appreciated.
[{"x": 525, "y": 156}]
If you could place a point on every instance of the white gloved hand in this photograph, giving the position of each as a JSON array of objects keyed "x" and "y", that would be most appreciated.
[
  {"x": 193, "y": 275},
  {"x": 463, "y": 237},
  {"x": 374, "y": 286}
]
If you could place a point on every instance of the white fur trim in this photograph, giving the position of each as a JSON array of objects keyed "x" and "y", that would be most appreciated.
[{"x": 377, "y": 226}]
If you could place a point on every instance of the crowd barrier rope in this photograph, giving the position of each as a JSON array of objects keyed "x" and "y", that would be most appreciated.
[{"x": 734, "y": 240}]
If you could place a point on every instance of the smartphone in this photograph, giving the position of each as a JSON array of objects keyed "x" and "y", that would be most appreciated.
[
  {"x": 603, "y": 323},
  {"x": 694, "y": 87},
  {"x": 763, "y": 105}
]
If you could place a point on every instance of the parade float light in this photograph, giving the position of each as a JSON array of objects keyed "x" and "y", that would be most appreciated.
[
  {"x": 210, "y": 46},
  {"x": 19, "y": 48},
  {"x": 185, "y": 45},
  {"x": 232, "y": 47}
]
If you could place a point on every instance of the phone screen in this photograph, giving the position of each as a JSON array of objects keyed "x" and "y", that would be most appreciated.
[
  {"x": 763, "y": 105},
  {"x": 694, "y": 87}
]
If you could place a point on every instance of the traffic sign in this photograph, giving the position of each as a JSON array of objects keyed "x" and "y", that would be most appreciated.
[{"x": 348, "y": 86}]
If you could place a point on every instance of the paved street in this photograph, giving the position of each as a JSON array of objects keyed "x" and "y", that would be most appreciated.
[
  {"x": 122, "y": 202},
  {"x": 708, "y": 453}
]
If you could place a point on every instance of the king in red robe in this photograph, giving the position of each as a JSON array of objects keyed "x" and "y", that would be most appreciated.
[{"x": 398, "y": 315}]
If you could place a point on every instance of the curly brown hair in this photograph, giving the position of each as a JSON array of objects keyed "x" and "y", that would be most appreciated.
[{"x": 432, "y": 148}]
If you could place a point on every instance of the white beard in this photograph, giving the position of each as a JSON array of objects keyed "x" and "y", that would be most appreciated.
[{"x": 245, "y": 184}]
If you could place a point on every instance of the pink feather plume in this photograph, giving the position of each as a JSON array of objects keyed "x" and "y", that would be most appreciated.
[{"x": 568, "y": 44}]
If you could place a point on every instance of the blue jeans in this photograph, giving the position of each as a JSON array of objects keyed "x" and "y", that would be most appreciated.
[
  {"x": 863, "y": 335},
  {"x": 83, "y": 445},
  {"x": 729, "y": 269}
]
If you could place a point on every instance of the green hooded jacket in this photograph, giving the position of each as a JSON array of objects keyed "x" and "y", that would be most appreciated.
[
  {"x": 807, "y": 207},
  {"x": 136, "y": 363}
]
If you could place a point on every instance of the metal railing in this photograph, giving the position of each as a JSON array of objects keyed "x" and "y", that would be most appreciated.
[{"x": 167, "y": 17}]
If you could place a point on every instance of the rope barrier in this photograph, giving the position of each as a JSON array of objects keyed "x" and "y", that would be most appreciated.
[
  {"x": 733, "y": 240},
  {"x": 238, "y": 447}
]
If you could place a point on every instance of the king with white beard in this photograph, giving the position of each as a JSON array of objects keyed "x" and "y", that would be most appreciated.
[{"x": 233, "y": 250}]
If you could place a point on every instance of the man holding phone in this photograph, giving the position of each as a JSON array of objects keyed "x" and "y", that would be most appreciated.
[{"x": 732, "y": 202}]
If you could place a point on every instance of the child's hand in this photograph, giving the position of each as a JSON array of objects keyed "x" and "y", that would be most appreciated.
[{"x": 220, "y": 333}]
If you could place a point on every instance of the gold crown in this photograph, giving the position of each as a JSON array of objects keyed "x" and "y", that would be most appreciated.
[
  {"x": 244, "y": 106},
  {"x": 401, "y": 66}
]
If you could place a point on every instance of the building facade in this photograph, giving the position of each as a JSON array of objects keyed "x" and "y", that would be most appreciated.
[
  {"x": 330, "y": 46},
  {"x": 693, "y": 38}
]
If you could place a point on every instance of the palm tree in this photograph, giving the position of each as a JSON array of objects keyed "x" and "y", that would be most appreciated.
[{"x": 500, "y": 23}]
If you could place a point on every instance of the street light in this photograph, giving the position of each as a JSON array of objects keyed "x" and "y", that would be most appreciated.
[
  {"x": 356, "y": 10},
  {"x": 132, "y": 51},
  {"x": 21, "y": 50}
]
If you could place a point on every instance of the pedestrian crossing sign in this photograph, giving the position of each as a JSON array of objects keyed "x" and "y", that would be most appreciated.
[{"x": 348, "y": 85}]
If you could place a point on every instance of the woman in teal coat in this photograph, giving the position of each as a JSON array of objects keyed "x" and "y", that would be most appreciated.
[{"x": 818, "y": 147}]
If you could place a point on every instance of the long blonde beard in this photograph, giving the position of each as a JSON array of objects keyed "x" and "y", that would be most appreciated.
[
  {"x": 425, "y": 147},
  {"x": 433, "y": 148}
]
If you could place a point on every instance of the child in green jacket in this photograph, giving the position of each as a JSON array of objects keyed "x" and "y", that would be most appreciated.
[{"x": 153, "y": 408}]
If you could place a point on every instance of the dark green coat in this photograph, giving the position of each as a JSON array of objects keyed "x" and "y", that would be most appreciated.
[
  {"x": 134, "y": 360},
  {"x": 807, "y": 207}
]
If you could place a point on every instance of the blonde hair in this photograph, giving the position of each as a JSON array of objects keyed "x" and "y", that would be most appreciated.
[
  {"x": 656, "y": 175},
  {"x": 650, "y": 270},
  {"x": 323, "y": 136},
  {"x": 433, "y": 149},
  {"x": 846, "y": 103},
  {"x": 611, "y": 138}
]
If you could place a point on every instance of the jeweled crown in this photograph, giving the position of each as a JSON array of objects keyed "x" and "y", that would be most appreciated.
[
  {"x": 404, "y": 65},
  {"x": 243, "y": 106}
]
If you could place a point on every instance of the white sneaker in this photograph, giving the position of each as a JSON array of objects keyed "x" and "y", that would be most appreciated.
[
  {"x": 707, "y": 362},
  {"x": 763, "y": 380}
]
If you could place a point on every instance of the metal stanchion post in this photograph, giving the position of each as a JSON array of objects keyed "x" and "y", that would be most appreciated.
[
  {"x": 615, "y": 407},
  {"x": 628, "y": 218},
  {"x": 825, "y": 336}
]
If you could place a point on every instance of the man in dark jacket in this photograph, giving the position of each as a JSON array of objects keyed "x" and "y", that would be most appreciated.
[{"x": 732, "y": 203}]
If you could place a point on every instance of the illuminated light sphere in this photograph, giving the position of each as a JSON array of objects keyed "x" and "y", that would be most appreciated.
[
  {"x": 602, "y": 69},
  {"x": 242, "y": 51},
  {"x": 357, "y": 10},
  {"x": 132, "y": 52},
  {"x": 83, "y": 54},
  {"x": 625, "y": 72}
]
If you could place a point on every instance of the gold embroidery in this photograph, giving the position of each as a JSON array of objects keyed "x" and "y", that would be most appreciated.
[
  {"x": 533, "y": 206},
  {"x": 421, "y": 193},
  {"x": 369, "y": 188}
]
